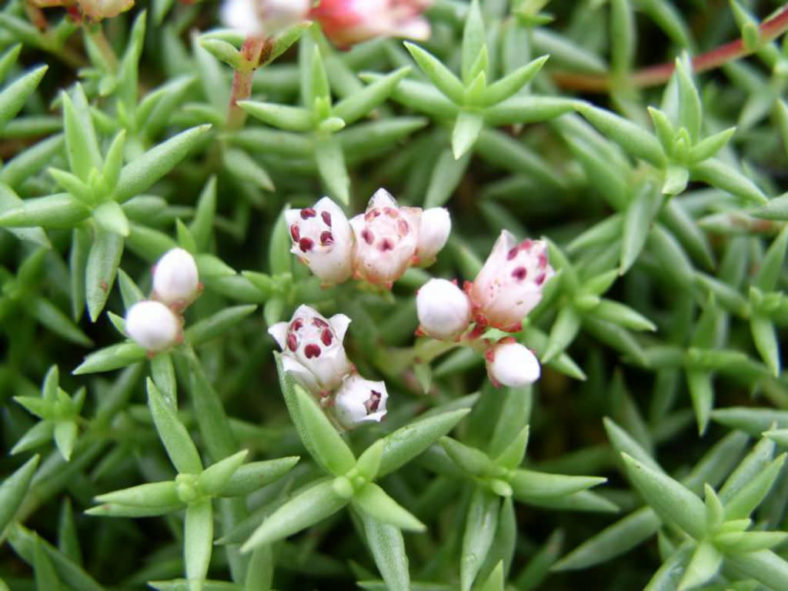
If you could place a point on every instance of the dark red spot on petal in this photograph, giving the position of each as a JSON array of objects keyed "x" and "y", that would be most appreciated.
[
  {"x": 296, "y": 324},
  {"x": 386, "y": 245},
  {"x": 542, "y": 261},
  {"x": 326, "y": 337},
  {"x": 326, "y": 218},
  {"x": 540, "y": 278},
  {"x": 312, "y": 350},
  {"x": 295, "y": 232},
  {"x": 306, "y": 244},
  {"x": 373, "y": 403},
  {"x": 319, "y": 322},
  {"x": 526, "y": 244},
  {"x": 519, "y": 273},
  {"x": 391, "y": 212},
  {"x": 307, "y": 213},
  {"x": 403, "y": 227},
  {"x": 367, "y": 236},
  {"x": 512, "y": 253},
  {"x": 326, "y": 238},
  {"x": 292, "y": 342}
]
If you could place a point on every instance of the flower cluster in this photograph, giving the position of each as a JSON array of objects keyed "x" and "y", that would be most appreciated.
[
  {"x": 345, "y": 22},
  {"x": 506, "y": 289},
  {"x": 313, "y": 353},
  {"x": 157, "y": 323},
  {"x": 377, "y": 246}
]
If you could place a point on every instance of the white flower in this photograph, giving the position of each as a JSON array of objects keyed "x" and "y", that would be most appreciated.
[
  {"x": 312, "y": 348},
  {"x": 512, "y": 364},
  {"x": 510, "y": 283},
  {"x": 434, "y": 231},
  {"x": 153, "y": 326},
  {"x": 444, "y": 310},
  {"x": 359, "y": 400},
  {"x": 386, "y": 239},
  {"x": 258, "y": 18},
  {"x": 176, "y": 281},
  {"x": 322, "y": 239}
]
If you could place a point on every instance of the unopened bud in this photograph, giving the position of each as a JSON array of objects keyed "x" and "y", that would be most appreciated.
[
  {"x": 512, "y": 364},
  {"x": 444, "y": 310},
  {"x": 360, "y": 401},
  {"x": 176, "y": 281},
  {"x": 263, "y": 17},
  {"x": 153, "y": 326},
  {"x": 434, "y": 231}
]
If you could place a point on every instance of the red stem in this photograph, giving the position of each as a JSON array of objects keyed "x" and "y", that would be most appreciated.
[
  {"x": 659, "y": 74},
  {"x": 251, "y": 51}
]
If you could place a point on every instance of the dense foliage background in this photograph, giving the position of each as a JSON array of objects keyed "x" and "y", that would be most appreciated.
[{"x": 660, "y": 337}]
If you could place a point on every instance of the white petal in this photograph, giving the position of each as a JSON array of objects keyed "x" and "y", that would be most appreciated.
[
  {"x": 382, "y": 198},
  {"x": 513, "y": 365},
  {"x": 443, "y": 308},
  {"x": 434, "y": 230},
  {"x": 152, "y": 325},
  {"x": 175, "y": 277},
  {"x": 279, "y": 332},
  {"x": 300, "y": 373},
  {"x": 242, "y": 16},
  {"x": 340, "y": 323}
]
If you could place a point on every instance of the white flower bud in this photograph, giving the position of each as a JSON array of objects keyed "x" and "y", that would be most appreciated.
[
  {"x": 153, "y": 326},
  {"x": 360, "y": 401},
  {"x": 322, "y": 239},
  {"x": 312, "y": 348},
  {"x": 386, "y": 239},
  {"x": 434, "y": 232},
  {"x": 510, "y": 282},
  {"x": 258, "y": 18},
  {"x": 443, "y": 308},
  {"x": 99, "y": 9},
  {"x": 176, "y": 281},
  {"x": 512, "y": 364}
]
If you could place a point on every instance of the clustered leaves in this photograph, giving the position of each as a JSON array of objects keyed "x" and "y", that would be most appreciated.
[{"x": 649, "y": 455}]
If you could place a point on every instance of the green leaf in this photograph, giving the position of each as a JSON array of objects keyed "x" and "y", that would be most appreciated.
[
  {"x": 465, "y": 133},
  {"x": 152, "y": 495},
  {"x": 708, "y": 147},
  {"x": 173, "y": 434},
  {"x": 110, "y": 218},
  {"x": 198, "y": 542},
  {"x": 142, "y": 172},
  {"x": 639, "y": 216},
  {"x": 443, "y": 79},
  {"x": 446, "y": 177},
  {"x": 744, "y": 502},
  {"x": 690, "y": 108},
  {"x": 14, "y": 489},
  {"x": 54, "y": 211},
  {"x": 387, "y": 546},
  {"x": 481, "y": 523},
  {"x": 65, "y": 436},
  {"x": 281, "y": 116},
  {"x": 513, "y": 82},
  {"x": 255, "y": 475},
  {"x": 743, "y": 542},
  {"x": 764, "y": 566},
  {"x": 82, "y": 146},
  {"x": 764, "y": 334},
  {"x": 304, "y": 510},
  {"x": 771, "y": 266},
  {"x": 112, "y": 357},
  {"x": 361, "y": 103},
  {"x": 331, "y": 166},
  {"x": 528, "y": 484},
  {"x": 670, "y": 500},
  {"x": 702, "y": 392},
  {"x": 373, "y": 500},
  {"x": 630, "y": 136},
  {"x": 215, "y": 478},
  {"x": 214, "y": 326},
  {"x": 163, "y": 374},
  {"x": 324, "y": 443},
  {"x": 468, "y": 459},
  {"x": 514, "y": 453},
  {"x": 102, "y": 266},
  {"x": 562, "y": 333},
  {"x": 723, "y": 176},
  {"x": 46, "y": 577},
  {"x": 14, "y": 96}
]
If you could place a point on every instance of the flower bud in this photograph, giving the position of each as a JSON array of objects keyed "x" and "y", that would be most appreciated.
[
  {"x": 510, "y": 282},
  {"x": 322, "y": 239},
  {"x": 386, "y": 239},
  {"x": 346, "y": 22},
  {"x": 312, "y": 349},
  {"x": 444, "y": 310},
  {"x": 99, "y": 9},
  {"x": 512, "y": 364},
  {"x": 153, "y": 326},
  {"x": 359, "y": 400},
  {"x": 176, "y": 281},
  {"x": 434, "y": 231},
  {"x": 258, "y": 18}
]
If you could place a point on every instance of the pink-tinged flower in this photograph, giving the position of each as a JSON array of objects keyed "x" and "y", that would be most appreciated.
[
  {"x": 99, "y": 9},
  {"x": 434, "y": 231},
  {"x": 387, "y": 237},
  {"x": 511, "y": 364},
  {"x": 176, "y": 281},
  {"x": 322, "y": 239},
  {"x": 346, "y": 22},
  {"x": 443, "y": 309},
  {"x": 153, "y": 326},
  {"x": 312, "y": 349},
  {"x": 360, "y": 401},
  {"x": 510, "y": 283},
  {"x": 258, "y": 18}
]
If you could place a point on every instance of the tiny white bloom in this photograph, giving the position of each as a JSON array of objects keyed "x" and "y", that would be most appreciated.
[
  {"x": 176, "y": 281},
  {"x": 512, "y": 364},
  {"x": 312, "y": 349},
  {"x": 359, "y": 400},
  {"x": 387, "y": 237},
  {"x": 242, "y": 16},
  {"x": 153, "y": 326},
  {"x": 434, "y": 232},
  {"x": 322, "y": 239},
  {"x": 510, "y": 283},
  {"x": 263, "y": 17},
  {"x": 443, "y": 308}
]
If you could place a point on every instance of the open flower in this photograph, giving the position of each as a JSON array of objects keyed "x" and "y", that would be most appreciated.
[
  {"x": 387, "y": 237},
  {"x": 259, "y": 18},
  {"x": 322, "y": 239},
  {"x": 359, "y": 400},
  {"x": 312, "y": 349},
  {"x": 153, "y": 326},
  {"x": 443, "y": 309},
  {"x": 512, "y": 364},
  {"x": 510, "y": 282},
  {"x": 346, "y": 22},
  {"x": 176, "y": 281}
]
